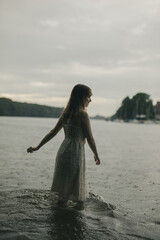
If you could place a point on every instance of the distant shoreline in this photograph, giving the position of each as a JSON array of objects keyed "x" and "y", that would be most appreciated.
[
  {"x": 137, "y": 121},
  {"x": 145, "y": 122},
  {"x": 23, "y": 109}
]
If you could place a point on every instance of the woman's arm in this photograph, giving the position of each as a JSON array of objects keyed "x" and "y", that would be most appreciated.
[
  {"x": 86, "y": 126},
  {"x": 48, "y": 137}
]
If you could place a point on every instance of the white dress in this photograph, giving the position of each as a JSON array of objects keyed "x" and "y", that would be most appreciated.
[{"x": 69, "y": 179}]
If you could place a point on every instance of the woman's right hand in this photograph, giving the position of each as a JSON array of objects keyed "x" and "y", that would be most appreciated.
[
  {"x": 32, "y": 149},
  {"x": 97, "y": 160}
]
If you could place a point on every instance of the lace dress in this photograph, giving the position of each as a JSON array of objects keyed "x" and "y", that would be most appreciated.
[{"x": 69, "y": 179}]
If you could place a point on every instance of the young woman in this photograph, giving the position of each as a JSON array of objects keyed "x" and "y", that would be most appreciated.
[{"x": 69, "y": 179}]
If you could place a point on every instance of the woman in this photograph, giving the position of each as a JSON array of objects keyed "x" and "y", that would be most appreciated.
[{"x": 69, "y": 180}]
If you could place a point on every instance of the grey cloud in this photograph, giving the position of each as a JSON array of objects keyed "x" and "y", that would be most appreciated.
[{"x": 112, "y": 46}]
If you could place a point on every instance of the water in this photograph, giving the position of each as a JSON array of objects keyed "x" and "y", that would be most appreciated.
[{"x": 126, "y": 186}]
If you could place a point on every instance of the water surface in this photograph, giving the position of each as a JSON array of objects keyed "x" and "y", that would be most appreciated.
[{"x": 127, "y": 181}]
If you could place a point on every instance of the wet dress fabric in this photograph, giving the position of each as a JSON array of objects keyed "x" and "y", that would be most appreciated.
[{"x": 69, "y": 179}]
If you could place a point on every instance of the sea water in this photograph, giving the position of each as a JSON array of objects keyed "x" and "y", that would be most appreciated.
[{"x": 124, "y": 200}]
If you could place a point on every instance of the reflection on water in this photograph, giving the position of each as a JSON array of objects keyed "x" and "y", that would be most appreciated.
[
  {"x": 66, "y": 224},
  {"x": 30, "y": 215}
]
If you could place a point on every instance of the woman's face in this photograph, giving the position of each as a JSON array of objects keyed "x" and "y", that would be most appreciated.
[{"x": 88, "y": 100}]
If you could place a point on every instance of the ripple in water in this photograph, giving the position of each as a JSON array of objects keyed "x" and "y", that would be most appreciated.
[{"x": 31, "y": 215}]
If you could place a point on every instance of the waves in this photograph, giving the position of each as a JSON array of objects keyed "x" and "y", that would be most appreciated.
[{"x": 31, "y": 214}]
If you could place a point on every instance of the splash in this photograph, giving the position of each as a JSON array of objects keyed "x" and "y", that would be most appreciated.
[{"x": 30, "y": 215}]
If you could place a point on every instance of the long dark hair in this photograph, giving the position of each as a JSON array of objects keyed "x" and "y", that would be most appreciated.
[{"x": 77, "y": 99}]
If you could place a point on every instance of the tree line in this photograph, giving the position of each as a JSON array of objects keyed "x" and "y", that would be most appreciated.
[
  {"x": 139, "y": 107},
  {"x": 11, "y": 108}
]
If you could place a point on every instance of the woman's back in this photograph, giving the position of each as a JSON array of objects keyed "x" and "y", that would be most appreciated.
[
  {"x": 73, "y": 132},
  {"x": 70, "y": 173},
  {"x": 75, "y": 120}
]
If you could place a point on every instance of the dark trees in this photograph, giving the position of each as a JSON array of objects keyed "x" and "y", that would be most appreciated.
[
  {"x": 139, "y": 107},
  {"x": 10, "y": 108}
]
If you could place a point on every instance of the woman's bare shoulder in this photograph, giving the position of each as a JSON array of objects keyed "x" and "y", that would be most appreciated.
[{"x": 83, "y": 115}]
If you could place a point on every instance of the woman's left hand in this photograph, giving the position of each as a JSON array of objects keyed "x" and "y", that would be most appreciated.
[{"x": 97, "y": 160}]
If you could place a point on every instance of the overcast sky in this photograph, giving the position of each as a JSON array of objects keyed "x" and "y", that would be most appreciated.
[{"x": 48, "y": 46}]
